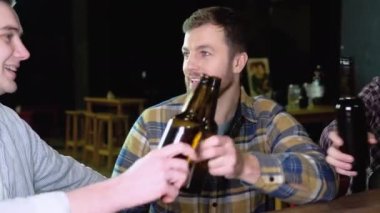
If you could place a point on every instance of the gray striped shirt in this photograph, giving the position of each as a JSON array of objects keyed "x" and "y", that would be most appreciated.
[{"x": 29, "y": 166}]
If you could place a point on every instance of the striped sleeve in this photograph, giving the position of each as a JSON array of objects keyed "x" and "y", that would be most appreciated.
[
  {"x": 134, "y": 147},
  {"x": 324, "y": 140},
  {"x": 295, "y": 170}
]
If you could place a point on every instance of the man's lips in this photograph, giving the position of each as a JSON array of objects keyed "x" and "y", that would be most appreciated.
[{"x": 12, "y": 68}]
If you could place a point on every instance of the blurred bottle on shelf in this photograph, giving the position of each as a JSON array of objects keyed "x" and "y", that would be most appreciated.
[{"x": 294, "y": 95}]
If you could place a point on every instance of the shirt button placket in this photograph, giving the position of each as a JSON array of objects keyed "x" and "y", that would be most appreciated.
[{"x": 214, "y": 206}]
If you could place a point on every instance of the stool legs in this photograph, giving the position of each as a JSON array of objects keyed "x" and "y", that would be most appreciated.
[
  {"x": 90, "y": 145},
  {"x": 73, "y": 132},
  {"x": 112, "y": 131}
]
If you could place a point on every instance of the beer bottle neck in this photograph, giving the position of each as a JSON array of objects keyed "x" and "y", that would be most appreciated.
[
  {"x": 210, "y": 106},
  {"x": 194, "y": 108},
  {"x": 203, "y": 100}
]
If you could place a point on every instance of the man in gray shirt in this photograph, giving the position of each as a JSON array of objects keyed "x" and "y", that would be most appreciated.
[{"x": 36, "y": 178}]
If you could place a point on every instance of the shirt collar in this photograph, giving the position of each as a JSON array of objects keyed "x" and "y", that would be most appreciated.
[
  {"x": 246, "y": 105},
  {"x": 370, "y": 95}
]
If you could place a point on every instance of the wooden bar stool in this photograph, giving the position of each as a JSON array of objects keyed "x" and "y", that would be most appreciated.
[
  {"x": 74, "y": 132},
  {"x": 111, "y": 132},
  {"x": 90, "y": 146}
]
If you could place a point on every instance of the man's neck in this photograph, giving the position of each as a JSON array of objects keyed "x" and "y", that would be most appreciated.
[{"x": 227, "y": 104}]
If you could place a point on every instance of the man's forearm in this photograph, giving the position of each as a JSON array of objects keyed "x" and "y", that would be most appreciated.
[{"x": 106, "y": 196}]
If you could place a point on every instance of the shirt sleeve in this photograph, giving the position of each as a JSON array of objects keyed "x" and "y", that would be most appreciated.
[
  {"x": 135, "y": 146},
  {"x": 370, "y": 95},
  {"x": 47, "y": 202},
  {"x": 41, "y": 168},
  {"x": 324, "y": 140},
  {"x": 55, "y": 172},
  {"x": 295, "y": 170}
]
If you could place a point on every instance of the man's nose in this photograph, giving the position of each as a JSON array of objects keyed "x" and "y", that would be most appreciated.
[
  {"x": 190, "y": 63},
  {"x": 21, "y": 51}
]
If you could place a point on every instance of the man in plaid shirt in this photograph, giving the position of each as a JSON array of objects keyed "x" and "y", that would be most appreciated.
[{"x": 260, "y": 150}]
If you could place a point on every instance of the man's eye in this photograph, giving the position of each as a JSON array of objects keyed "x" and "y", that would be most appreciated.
[
  {"x": 205, "y": 53},
  {"x": 8, "y": 37},
  {"x": 185, "y": 54}
]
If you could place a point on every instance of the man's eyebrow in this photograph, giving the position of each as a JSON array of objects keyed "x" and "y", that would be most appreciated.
[
  {"x": 12, "y": 28},
  {"x": 201, "y": 47},
  {"x": 204, "y": 46}
]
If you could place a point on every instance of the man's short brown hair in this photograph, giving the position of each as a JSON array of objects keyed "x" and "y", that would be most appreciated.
[{"x": 10, "y": 2}]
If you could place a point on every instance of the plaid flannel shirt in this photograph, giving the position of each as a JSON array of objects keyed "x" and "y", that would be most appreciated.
[{"x": 286, "y": 154}]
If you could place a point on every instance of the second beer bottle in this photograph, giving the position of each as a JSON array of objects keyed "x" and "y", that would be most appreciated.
[
  {"x": 352, "y": 128},
  {"x": 189, "y": 125}
]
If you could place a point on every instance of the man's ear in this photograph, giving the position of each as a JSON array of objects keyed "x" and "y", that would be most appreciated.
[{"x": 240, "y": 60}]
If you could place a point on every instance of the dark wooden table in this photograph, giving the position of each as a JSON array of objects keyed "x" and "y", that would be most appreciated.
[{"x": 368, "y": 201}]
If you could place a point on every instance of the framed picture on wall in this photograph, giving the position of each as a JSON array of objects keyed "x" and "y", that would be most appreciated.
[{"x": 258, "y": 77}]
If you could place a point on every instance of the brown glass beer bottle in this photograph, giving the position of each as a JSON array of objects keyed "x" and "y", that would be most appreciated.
[
  {"x": 187, "y": 126},
  {"x": 209, "y": 127}
]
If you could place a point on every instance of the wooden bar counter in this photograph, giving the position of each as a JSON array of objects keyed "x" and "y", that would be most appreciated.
[{"x": 367, "y": 202}]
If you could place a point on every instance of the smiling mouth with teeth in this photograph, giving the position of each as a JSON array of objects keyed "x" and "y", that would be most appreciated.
[{"x": 194, "y": 80}]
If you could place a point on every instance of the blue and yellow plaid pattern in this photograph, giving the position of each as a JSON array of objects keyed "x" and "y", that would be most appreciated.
[{"x": 293, "y": 168}]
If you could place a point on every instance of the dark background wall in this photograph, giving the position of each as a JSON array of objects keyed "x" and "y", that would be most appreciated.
[
  {"x": 46, "y": 78},
  {"x": 84, "y": 47},
  {"x": 360, "y": 38}
]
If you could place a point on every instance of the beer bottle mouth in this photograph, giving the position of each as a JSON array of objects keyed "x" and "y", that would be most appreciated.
[
  {"x": 347, "y": 98},
  {"x": 349, "y": 103}
]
